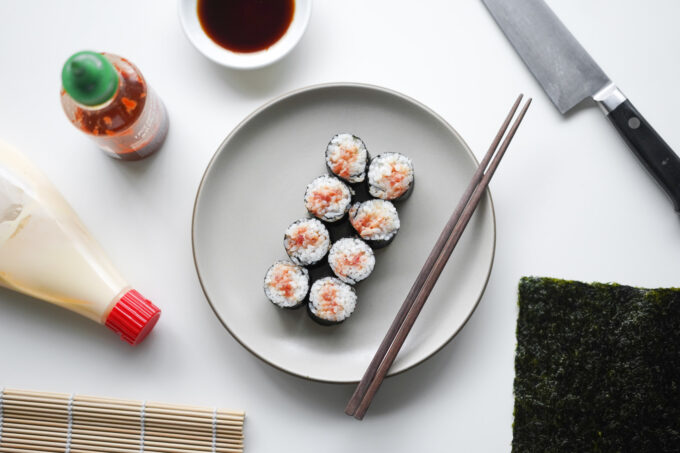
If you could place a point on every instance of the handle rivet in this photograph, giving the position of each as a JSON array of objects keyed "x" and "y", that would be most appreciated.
[{"x": 634, "y": 123}]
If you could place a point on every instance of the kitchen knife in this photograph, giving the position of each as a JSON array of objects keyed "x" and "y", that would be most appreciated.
[{"x": 568, "y": 74}]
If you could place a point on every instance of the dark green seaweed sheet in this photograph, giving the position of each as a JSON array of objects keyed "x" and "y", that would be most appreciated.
[{"x": 597, "y": 368}]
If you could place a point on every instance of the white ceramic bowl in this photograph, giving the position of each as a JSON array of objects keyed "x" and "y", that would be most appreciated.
[{"x": 188, "y": 16}]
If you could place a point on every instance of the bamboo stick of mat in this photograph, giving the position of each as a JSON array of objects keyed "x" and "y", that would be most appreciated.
[
  {"x": 417, "y": 296},
  {"x": 62, "y": 423}
]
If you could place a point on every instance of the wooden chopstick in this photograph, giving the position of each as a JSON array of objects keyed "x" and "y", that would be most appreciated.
[
  {"x": 427, "y": 267},
  {"x": 415, "y": 300}
]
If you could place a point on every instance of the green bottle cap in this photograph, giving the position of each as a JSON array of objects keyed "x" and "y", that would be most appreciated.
[{"x": 89, "y": 78}]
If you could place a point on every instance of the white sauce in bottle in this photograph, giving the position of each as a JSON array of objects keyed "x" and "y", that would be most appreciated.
[{"x": 46, "y": 251}]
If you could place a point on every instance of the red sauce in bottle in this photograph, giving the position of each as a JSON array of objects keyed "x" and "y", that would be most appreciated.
[
  {"x": 131, "y": 125},
  {"x": 121, "y": 112},
  {"x": 245, "y": 25}
]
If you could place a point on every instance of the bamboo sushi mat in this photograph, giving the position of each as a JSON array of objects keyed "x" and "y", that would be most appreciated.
[{"x": 57, "y": 422}]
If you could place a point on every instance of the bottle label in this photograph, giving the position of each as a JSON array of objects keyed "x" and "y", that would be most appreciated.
[{"x": 144, "y": 137}]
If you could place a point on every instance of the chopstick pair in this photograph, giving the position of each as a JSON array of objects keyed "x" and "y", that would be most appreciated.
[{"x": 422, "y": 287}]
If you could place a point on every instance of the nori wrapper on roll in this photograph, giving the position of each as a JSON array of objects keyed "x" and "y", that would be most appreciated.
[{"x": 347, "y": 158}]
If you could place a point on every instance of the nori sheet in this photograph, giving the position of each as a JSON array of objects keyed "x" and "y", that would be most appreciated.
[{"x": 597, "y": 368}]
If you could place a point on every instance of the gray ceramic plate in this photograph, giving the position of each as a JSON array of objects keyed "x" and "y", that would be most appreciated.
[{"x": 253, "y": 189}]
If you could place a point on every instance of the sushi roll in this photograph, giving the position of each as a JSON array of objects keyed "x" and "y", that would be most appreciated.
[
  {"x": 286, "y": 284},
  {"x": 327, "y": 198},
  {"x": 376, "y": 221},
  {"x": 306, "y": 242},
  {"x": 390, "y": 177},
  {"x": 331, "y": 301},
  {"x": 347, "y": 158},
  {"x": 351, "y": 260}
]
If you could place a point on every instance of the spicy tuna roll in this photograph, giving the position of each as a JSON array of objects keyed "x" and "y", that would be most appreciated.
[
  {"x": 347, "y": 158},
  {"x": 306, "y": 241},
  {"x": 286, "y": 284},
  {"x": 331, "y": 301},
  {"x": 351, "y": 260},
  {"x": 327, "y": 198},
  {"x": 376, "y": 221},
  {"x": 390, "y": 176}
]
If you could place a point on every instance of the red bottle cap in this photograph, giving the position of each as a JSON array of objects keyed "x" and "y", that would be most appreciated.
[{"x": 133, "y": 317}]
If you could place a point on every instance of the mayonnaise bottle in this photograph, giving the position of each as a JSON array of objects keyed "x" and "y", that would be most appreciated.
[{"x": 46, "y": 252}]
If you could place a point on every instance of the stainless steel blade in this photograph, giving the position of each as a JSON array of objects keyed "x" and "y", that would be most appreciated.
[{"x": 561, "y": 65}]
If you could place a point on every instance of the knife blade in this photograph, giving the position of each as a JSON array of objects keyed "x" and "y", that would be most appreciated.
[{"x": 569, "y": 75}]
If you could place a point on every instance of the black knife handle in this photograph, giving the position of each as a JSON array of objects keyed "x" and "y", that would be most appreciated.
[{"x": 650, "y": 148}]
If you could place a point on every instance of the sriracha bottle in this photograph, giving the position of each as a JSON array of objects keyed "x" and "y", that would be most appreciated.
[{"x": 106, "y": 97}]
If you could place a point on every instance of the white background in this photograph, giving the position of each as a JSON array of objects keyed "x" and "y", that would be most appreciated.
[{"x": 571, "y": 202}]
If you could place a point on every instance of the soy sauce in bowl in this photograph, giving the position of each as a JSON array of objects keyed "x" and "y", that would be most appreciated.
[{"x": 245, "y": 25}]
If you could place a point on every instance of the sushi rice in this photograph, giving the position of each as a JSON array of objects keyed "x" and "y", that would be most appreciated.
[
  {"x": 327, "y": 198},
  {"x": 331, "y": 301},
  {"x": 347, "y": 158},
  {"x": 390, "y": 176},
  {"x": 351, "y": 260},
  {"x": 375, "y": 220},
  {"x": 306, "y": 241},
  {"x": 286, "y": 284}
]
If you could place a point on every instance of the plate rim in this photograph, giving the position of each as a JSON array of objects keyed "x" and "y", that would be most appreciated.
[{"x": 281, "y": 98}]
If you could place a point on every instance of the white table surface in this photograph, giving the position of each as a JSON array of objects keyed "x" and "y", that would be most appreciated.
[{"x": 571, "y": 202}]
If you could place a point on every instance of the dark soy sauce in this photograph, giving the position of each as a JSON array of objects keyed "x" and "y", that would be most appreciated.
[{"x": 245, "y": 25}]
